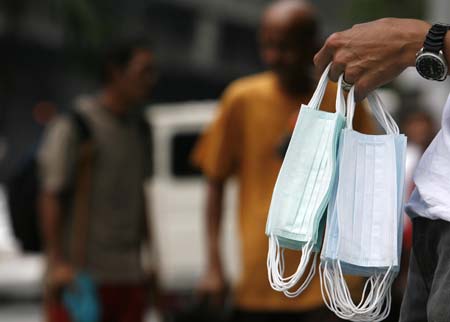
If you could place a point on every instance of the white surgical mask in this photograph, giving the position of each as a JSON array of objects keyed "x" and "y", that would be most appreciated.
[
  {"x": 302, "y": 190},
  {"x": 364, "y": 223}
]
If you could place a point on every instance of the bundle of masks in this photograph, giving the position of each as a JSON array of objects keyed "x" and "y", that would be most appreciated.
[{"x": 353, "y": 183}]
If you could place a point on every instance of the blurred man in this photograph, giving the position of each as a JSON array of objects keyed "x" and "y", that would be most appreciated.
[
  {"x": 94, "y": 221},
  {"x": 246, "y": 140}
]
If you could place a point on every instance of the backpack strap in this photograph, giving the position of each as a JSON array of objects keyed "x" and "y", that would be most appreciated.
[{"x": 82, "y": 127}]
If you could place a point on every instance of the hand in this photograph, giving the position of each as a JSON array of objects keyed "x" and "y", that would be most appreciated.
[
  {"x": 212, "y": 285},
  {"x": 372, "y": 54},
  {"x": 60, "y": 274}
]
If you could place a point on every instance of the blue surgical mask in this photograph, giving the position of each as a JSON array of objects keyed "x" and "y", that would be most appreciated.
[
  {"x": 365, "y": 221},
  {"x": 302, "y": 190}
]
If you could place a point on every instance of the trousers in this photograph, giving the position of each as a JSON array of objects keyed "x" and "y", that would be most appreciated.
[{"x": 427, "y": 292}]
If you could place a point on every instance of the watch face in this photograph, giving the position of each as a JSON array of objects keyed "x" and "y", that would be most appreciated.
[{"x": 431, "y": 66}]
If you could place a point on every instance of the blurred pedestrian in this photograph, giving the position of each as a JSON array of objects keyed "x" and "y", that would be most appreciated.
[
  {"x": 93, "y": 163},
  {"x": 370, "y": 55},
  {"x": 247, "y": 140}
]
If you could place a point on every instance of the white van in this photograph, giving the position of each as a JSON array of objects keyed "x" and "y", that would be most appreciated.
[{"x": 176, "y": 197}]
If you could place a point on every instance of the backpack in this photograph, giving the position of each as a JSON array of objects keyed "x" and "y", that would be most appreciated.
[{"x": 23, "y": 190}]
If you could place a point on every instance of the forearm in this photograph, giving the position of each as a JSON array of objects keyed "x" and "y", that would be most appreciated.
[
  {"x": 419, "y": 33},
  {"x": 447, "y": 48},
  {"x": 374, "y": 53},
  {"x": 50, "y": 213},
  {"x": 213, "y": 221}
]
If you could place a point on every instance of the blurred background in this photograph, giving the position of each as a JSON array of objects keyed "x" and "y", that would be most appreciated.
[{"x": 49, "y": 55}]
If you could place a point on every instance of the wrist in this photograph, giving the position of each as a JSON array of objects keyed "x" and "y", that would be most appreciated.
[
  {"x": 446, "y": 49},
  {"x": 214, "y": 262},
  {"x": 415, "y": 38}
]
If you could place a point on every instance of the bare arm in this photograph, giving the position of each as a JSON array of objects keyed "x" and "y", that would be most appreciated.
[
  {"x": 372, "y": 54},
  {"x": 60, "y": 272},
  {"x": 50, "y": 212},
  {"x": 213, "y": 281},
  {"x": 213, "y": 221}
]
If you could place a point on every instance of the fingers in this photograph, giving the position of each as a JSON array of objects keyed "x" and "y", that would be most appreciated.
[
  {"x": 331, "y": 52},
  {"x": 364, "y": 86},
  {"x": 325, "y": 54},
  {"x": 336, "y": 70},
  {"x": 342, "y": 60}
]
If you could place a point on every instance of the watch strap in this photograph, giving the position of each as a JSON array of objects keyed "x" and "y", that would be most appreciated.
[{"x": 434, "y": 42}]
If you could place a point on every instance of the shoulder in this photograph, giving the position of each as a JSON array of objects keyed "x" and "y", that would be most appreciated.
[
  {"x": 249, "y": 86},
  {"x": 60, "y": 126},
  {"x": 67, "y": 125}
]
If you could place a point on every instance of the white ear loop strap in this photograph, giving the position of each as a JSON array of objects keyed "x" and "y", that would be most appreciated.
[
  {"x": 317, "y": 97},
  {"x": 383, "y": 117},
  {"x": 340, "y": 100},
  {"x": 275, "y": 268},
  {"x": 374, "y": 307}
]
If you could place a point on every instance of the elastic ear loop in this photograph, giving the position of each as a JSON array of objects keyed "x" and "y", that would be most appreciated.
[
  {"x": 341, "y": 295},
  {"x": 369, "y": 305},
  {"x": 345, "y": 298},
  {"x": 326, "y": 286},
  {"x": 275, "y": 265},
  {"x": 327, "y": 283},
  {"x": 350, "y": 107},
  {"x": 279, "y": 259},
  {"x": 317, "y": 97},
  {"x": 327, "y": 289},
  {"x": 340, "y": 100},
  {"x": 342, "y": 298},
  {"x": 281, "y": 285},
  {"x": 307, "y": 281},
  {"x": 364, "y": 311},
  {"x": 394, "y": 126},
  {"x": 287, "y": 282},
  {"x": 381, "y": 114},
  {"x": 383, "y": 117}
]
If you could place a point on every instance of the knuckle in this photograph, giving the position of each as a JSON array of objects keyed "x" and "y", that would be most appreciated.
[
  {"x": 361, "y": 87},
  {"x": 351, "y": 75},
  {"x": 340, "y": 61},
  {"x": 384, "y": 20},
  {"x": 334, "y": 40},
  {"x": 316, "y": 59}
]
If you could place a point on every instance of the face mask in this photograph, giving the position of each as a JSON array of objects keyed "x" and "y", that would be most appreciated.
[
  {"x": 302, "y": 190},
  {"x": 365, "y": 220}
]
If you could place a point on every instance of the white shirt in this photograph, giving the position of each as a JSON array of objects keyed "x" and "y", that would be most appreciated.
[{"x": 431, "y": 198}]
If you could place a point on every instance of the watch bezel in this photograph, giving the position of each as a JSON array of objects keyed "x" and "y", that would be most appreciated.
[{"x": 437, "y": 56}]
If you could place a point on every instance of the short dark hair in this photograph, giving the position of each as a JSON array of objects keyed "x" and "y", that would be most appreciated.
[{"x": 119, "y": 54}]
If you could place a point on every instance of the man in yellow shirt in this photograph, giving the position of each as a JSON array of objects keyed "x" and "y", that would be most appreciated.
[{"x": 256, "y": 117}]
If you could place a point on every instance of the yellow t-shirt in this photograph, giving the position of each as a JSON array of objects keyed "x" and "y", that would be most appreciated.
[{"x": 254, "y": 120}]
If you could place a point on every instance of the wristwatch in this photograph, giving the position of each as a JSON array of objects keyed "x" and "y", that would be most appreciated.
[{"x": 430, "y": 60}]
